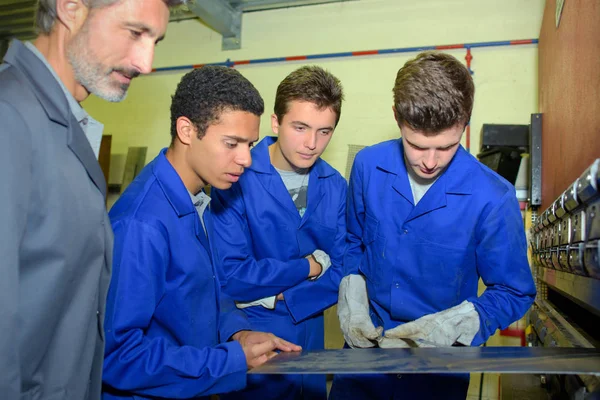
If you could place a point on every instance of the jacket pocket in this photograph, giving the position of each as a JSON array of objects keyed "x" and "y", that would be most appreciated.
[
  {"x": 374, "y": 258},
  {"x": 434, "y": 276},
  {"x": 326, "y": 237},
  {"x": 315, "y": 236}
]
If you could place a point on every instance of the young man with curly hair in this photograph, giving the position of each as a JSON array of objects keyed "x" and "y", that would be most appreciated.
[{"x": 170, "y": 332}]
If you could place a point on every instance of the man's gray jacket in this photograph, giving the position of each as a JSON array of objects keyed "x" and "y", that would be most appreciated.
[{"x": 55, "y": 240}]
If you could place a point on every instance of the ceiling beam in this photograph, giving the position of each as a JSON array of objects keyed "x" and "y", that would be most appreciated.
[
  {"x": 15, "y": 28},
  {"x": 17, "y": 18},
  {"x": 221, "y": 17},
  {"x": 3, "y": 48},
  {"x": 17, "y": 6}
]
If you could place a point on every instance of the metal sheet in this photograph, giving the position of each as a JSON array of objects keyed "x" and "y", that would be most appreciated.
[{"x": 515, "y": 360}]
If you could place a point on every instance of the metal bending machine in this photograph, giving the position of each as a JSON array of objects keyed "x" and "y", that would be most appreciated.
[{"x": 565, "y": 249}]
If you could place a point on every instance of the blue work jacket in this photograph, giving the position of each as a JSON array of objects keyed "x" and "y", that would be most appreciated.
[
  {"x": 262, "y": 242},
  {"x": 422, "y": 259},
  {"x": 167, "y": 324}
]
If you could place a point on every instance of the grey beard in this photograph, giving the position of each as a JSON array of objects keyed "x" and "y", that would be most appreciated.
[{"x": 91, "y": 76}]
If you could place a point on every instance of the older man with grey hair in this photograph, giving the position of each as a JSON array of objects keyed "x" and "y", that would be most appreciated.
[{"x": 55, "y": 237}]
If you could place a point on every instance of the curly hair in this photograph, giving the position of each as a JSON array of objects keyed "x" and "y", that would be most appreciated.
[
  {"x": 433, "y": 92},
  {"x": 311, "y": 84},
  {"x": 204, "y": 93}
]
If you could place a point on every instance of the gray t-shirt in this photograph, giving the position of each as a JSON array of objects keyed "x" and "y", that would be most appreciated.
[
  {"x": 297, "y": 186},
  {"x": 418, "y": 185},
  {"x": 418, "y": 188},
  {"x": 201, "y": 201}
]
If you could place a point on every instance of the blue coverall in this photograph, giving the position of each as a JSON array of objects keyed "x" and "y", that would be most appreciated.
[
  {"x": 262, "y": 242},
  {"x": 167, "y": 323},
  {"x": 419, "y": 260}
]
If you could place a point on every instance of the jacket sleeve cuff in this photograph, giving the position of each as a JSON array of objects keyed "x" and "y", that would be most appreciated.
[
  {"x": 233, "y": 322},
  {"x": 311, "y": 298},
  {"x": 486, "y": 327},
  {"x": 238, "y": 366}
]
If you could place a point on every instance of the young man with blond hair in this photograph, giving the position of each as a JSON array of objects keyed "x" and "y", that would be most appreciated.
[{"x": 280, "y": 231}]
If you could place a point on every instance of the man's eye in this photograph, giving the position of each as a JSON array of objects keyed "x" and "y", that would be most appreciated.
[
  {"x": 135, "y": 34},
  {"x": 230, "y": 145}
]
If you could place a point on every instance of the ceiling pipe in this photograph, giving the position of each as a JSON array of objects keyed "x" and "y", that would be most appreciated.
[{"x": 361, "y": 53}]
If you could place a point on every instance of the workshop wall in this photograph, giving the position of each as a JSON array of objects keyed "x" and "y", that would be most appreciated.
[{"x": 505, "y": 77}]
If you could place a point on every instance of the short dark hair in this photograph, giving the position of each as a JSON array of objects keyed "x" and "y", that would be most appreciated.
[
  {"x": 204, "y": 93},
  {"x": 433, "y": 92},
  {"x": 311, "y": 84}
]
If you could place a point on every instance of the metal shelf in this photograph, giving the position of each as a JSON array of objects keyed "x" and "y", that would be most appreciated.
[
  {"x": 583, "y": 290},
  {"x": 553, "y": 330}
]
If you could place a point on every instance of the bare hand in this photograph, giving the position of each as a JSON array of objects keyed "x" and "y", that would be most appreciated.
[
  {"x": 259, "y": 347},
  {"x": 280, "y": 296}
]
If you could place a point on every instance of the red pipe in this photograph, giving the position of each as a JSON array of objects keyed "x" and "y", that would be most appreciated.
[{"x": 467, "y": 46}]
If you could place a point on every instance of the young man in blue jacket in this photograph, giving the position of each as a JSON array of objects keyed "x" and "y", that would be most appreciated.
[
  {"x": 426, "y": 220},
  {"x": 280, "y": 231},
  {"x": 170, "y": 332}
]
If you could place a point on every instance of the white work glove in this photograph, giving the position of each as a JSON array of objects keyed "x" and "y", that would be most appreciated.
[
  {"x": 323, "y": 259},
  {"x": 458, "y": 324},
  {"x": 392, "y": 343},
  {"x": 353, "y": 312},
  {"x": 266, "y": 302}
]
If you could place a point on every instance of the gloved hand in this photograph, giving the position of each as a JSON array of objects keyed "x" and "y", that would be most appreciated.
[
  {"x": 393, "y": 343},
  {"x": 458, "y": 324},
  {"x": 323, "y": 259},
  {"x": 266, "y": 302},
  {"x": 353, "y": 312}
]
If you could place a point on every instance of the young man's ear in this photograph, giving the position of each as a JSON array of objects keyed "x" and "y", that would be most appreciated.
[
  {"x": 71, "y": 14},
  {"x": 275, "y": 124},
  {"x": 186, "y": 130}
]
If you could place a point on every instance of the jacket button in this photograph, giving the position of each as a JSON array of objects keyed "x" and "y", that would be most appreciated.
[{"x": 405, "y": 231}]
